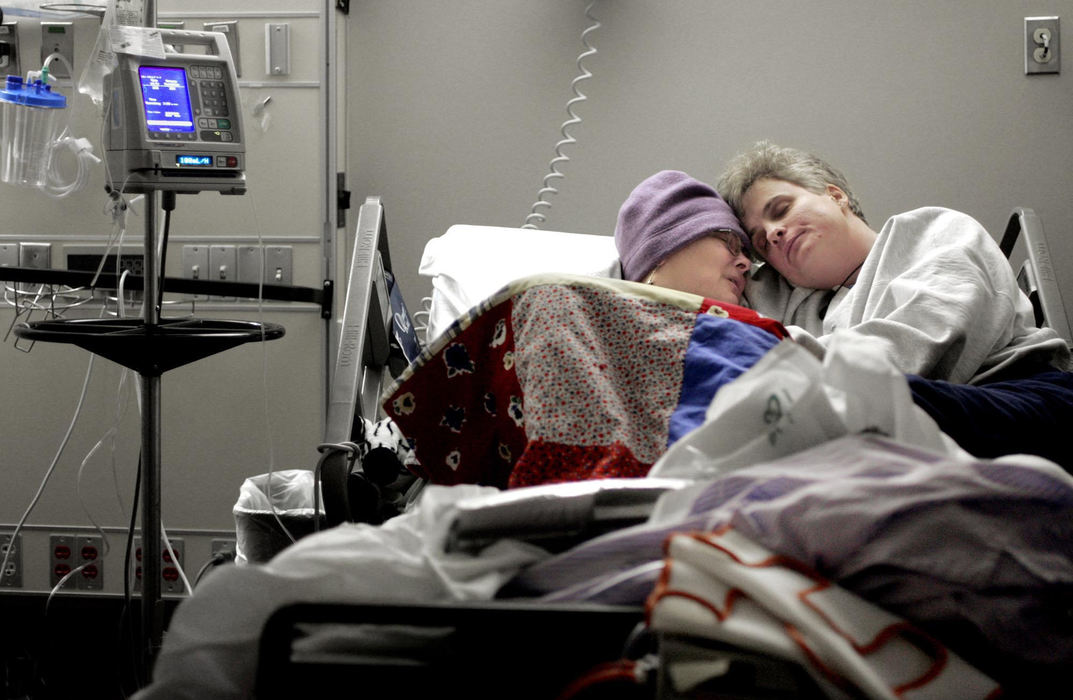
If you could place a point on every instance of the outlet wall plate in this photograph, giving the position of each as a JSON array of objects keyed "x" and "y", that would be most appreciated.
[
  {"x": 63, "y": 558},
  {"x": 89, "y": 553},
  {"x": 11, "y": 577},
  {"x": 170, "y": 580},
  {"x": 1043, "y": 45}
]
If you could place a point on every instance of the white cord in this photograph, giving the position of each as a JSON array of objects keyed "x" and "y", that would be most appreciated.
[
  {"x": 535, "y": 217},
  {"x": 264, "y": 375},
  {"x": 421, "y": 319},
  {"x": 52, "y": 466},
  {"x": 175, "y": 561}
]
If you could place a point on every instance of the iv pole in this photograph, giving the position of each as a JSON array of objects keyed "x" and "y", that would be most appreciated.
[
  {"x": 152, "y": 621},
  {"x": 151, "y": 345}
]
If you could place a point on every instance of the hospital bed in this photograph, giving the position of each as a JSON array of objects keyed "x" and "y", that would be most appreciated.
[
  {"x": 1025, "y": 244},
  {"x": 473, "y": 646}
]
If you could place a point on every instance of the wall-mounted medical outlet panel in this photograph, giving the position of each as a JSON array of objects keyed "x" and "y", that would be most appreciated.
[
  {"x": 58, "y": 37},
  {"x": 230, "y": 30},
  {"x": 9, "y": 49},
  {"x": 11, "y": 576},
  {"x": 1042, "y": 45}
]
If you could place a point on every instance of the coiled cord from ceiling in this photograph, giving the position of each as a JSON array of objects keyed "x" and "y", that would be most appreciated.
[{"x": 536, "y": 217}]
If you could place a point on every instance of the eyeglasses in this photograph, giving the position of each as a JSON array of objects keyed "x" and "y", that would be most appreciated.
[{"x": 733, "y": 243}]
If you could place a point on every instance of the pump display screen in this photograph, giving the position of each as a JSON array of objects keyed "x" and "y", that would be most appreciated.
[
  {"x": 166, "y": 99},
  {"x": 198, "y": 161}
]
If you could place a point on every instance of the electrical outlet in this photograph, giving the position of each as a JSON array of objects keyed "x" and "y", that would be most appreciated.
[
  {"x": 58, "y": 37},
  {"x": 170, "y": 579},
  {"x": 63, "y": 557},
  {"x": 11, "y": 576},
  {"x": 89, "y": 550},
  {"x": 1042, "y": 46}
]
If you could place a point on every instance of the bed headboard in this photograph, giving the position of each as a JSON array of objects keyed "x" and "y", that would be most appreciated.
[
  {"x": 469, "y": 263},
  {"x": 1025, "y": 244}
]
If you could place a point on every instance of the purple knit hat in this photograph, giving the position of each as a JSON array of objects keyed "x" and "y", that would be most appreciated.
[{"x": 665, "y": 212}]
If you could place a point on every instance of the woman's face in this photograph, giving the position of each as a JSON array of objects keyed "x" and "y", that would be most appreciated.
[
  {"x": 812, "y": 239},
  {"x": 713, "y": 267}
]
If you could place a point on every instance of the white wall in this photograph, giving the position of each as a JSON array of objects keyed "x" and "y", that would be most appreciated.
[
  {"x": 225, "y": 417},
  {"x": 455, "y": 106}
]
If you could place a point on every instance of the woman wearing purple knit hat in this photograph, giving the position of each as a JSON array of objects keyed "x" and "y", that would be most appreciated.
[{"x": 675, "y": 231}]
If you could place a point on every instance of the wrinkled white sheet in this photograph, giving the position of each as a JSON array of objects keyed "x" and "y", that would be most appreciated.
[
  {"x": 786, "y": 466},
  {"x": 210, "y": 648}
]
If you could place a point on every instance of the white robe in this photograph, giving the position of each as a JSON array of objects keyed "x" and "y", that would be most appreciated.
[{"x": 937, "y": 287}]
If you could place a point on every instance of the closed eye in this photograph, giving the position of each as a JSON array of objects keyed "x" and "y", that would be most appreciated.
[{"x": 759, "y": 239}]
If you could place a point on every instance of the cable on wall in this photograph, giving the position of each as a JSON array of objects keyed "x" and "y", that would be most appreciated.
[{"x": 536, "y": 217}]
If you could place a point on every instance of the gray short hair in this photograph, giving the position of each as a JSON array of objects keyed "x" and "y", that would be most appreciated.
[{"x": 766, "y": 160}]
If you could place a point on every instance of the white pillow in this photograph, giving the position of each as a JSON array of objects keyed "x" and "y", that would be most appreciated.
[{"x": 467, "y": 264}]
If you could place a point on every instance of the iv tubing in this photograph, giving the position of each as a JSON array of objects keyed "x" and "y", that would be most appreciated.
[{"x": 81, "y": 147}]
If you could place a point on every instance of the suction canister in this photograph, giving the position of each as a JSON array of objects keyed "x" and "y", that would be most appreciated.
[{"x": 31, "y": 124}]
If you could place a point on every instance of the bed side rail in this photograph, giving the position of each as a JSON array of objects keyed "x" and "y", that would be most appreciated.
[
  {"x": 502, "y": 649},
  {"x": 361, "y": 358},
  {"x": 363, "y": 348},
  {"x": 1025, "y": 244}
]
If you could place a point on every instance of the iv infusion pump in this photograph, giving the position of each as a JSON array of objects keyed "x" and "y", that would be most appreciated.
[{"x": 175, "y": 122}]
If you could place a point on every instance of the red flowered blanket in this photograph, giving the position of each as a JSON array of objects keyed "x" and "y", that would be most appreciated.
[{"x": 562, "y": 378}]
